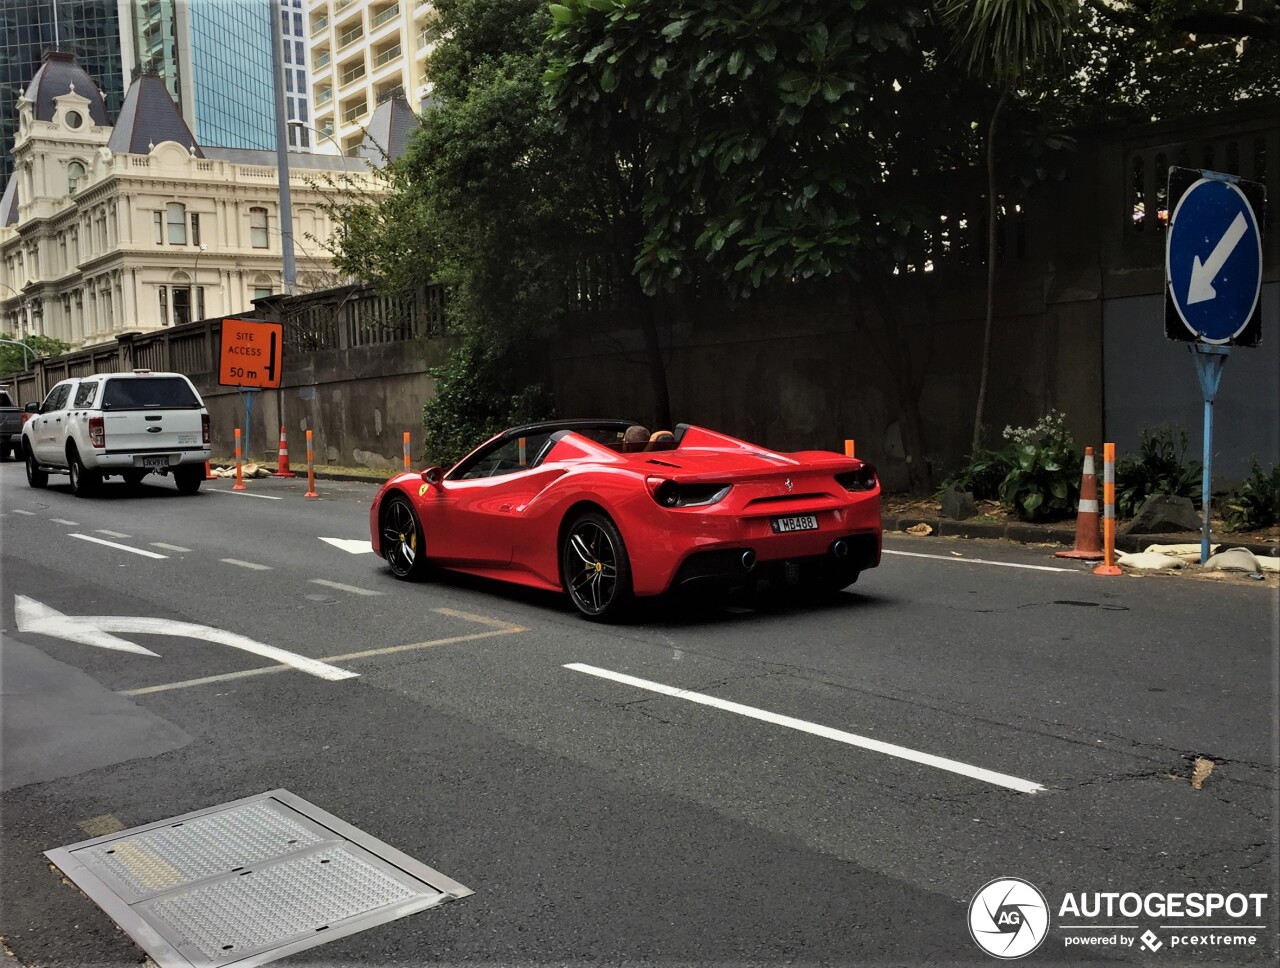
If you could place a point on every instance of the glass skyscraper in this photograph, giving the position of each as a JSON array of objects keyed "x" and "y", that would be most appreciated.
[{"x": 88, "y": 28}]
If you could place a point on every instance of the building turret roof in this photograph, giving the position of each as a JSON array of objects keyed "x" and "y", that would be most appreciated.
[
  {"x": 9, "y": 202},
  {"x": 59, "y": 74},
  {"x": 149, "y": 117},
  {"x": 388, "y": 132}
]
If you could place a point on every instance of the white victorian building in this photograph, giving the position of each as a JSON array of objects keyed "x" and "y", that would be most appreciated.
[{"x": 132, "y": 227}]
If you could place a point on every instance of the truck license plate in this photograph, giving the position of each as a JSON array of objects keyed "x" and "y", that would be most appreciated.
[
  {"x": 799, "y": 522},
  {"x": 155, "y": 461}
]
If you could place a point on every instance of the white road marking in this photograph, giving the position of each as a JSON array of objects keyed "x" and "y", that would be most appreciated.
[
  {"x": 30, "y": 514},
  {"x": 253, "y": 566},
  {"x": 169, "y": 547},
  {"x": 344, "y": 588},
  {"x": 112, "y": 544},
  {"x": 981, "y": 561},
  {"x": 265, "y": 497},
  {"x": 356, "y": 546},
  {"x": 111, "y": 534},
  {"x": 478, "y": 619},
  {"x": 69, "y": 524},
  {"x": 826, "y": 732},
  {"x": 33, "y": 616}
]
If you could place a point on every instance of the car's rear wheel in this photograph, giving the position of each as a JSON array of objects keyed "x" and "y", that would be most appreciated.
[
  {"x": 84, "y": 482},
  {"x": 595, "y": 568},
  {"x": 403, "y": 543},
  {"x": 188, "y": 478},
  {"x": 35, "y": 476}
]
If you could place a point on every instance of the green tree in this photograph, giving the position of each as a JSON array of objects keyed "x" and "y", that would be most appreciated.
[
  {"x": 770, "y": 142},
  {"x": 12, "y": 358}
]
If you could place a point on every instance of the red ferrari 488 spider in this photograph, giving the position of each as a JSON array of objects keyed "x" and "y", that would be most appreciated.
[{"x": 577, "y": 506}]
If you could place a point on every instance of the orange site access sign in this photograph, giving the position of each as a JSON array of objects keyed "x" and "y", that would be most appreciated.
[{"x": 252, "y": 352}]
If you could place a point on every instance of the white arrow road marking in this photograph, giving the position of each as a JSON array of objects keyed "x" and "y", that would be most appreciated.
[
  {"x": 1201, "y": 288},
  {"x": 358, "y": 546},
  {"x": 826, "y": 732},
  {"x": 33, "y": 616}
]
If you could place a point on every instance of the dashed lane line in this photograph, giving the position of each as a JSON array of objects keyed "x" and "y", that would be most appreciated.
[
  {"x": 69, "y": 524},
  {"x": 506, "y": 629},
  {"x": 111, "y": 534},
  {"x": 265, "y": 497},
  {"x": 982, "y": 561},
  {"x": 30, "y": 514},
  {"x": 826, "y": 732},
  {"x": 120, "y": 547},
  {"x": 344, "y": 588},
  {"x": 169, "y": 547},
  {"x": 251, "y": 565}
]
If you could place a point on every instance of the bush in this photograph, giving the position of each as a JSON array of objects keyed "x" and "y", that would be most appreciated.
[
  {"x": 477, "y": 396},
  {"x": 981, "y": 476},
  {"x": 1255, "y": 503},
  {"x": 1043, "y": 483},
  {"x": 1159, "y": 467}
]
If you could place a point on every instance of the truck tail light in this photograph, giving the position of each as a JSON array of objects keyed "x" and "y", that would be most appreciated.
[
  {"x": 97, "y": 432},
  {"x": 204, "y": 426}
]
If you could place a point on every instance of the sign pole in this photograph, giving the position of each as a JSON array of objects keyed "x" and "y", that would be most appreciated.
[
  {"x": 246, "y": 393},
  {"x": 1210, "y": 361}
]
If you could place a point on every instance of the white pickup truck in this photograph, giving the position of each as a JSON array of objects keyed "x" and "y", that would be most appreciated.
[{"x": 123, "y": 425}]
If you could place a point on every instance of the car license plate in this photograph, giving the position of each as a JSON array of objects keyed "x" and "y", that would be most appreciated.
[
  {"x": 156, "y": 461},
  {"x": 799, "y": 522}
]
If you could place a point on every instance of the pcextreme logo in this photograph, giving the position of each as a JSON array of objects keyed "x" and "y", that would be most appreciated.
[{"x": 1008, "y": 918}]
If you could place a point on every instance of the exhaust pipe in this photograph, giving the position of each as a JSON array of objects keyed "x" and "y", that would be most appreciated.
[
  {"x": 748, "y": 560},
  {"x": 840, "y": 548}
]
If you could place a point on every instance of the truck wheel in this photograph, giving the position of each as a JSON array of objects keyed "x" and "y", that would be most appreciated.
[
  {"x": 84, "y": 482},
  {"x": 188, "y": 478},
  {"x": 35, "y": 476},
  {"x": 7, "y": 450}
]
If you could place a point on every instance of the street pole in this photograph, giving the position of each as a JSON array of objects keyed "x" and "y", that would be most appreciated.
[{"x": 289, "y": 270}]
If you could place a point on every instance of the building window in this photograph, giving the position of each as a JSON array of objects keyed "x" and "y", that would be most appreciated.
[
  {"x": 297, "y": 24},
  {"x": 258, "y": 228},
  {"x": 306, "y": 135},
  {"x": 261, "y": 292},
  {"x": 181, "y": 305},
  {"x": 164, "y": 306},
  {"x": 157, "y": 223},
  {"x": 297, "y": 46},
  {"x": 177, "y": 223},
  {"x": 195, "y": 229},
  {"x": 302, "y": 110},
  {"x": 199, "y": 302},
  {"x": 75, "y": 172},
  {"x": 284, "y": 21},
  {"x": 288, "y": 81},
  {"x": 288, "y": 52}
]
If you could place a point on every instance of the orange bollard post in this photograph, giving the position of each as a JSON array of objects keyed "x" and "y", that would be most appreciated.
[
  {"x": 406, "y": 450},
  {"x": 848, "y": 448},
  {"x": 239, "y": 484},
  {"x": 1088, "y": 537},
  {"x": 1108, "y": 566},
  {"x": 282, "y": 462},
  {"x": 311, "y": 469}
]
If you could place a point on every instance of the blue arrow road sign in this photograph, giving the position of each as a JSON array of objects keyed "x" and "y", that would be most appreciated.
[{"x": 1213, "y": 261}]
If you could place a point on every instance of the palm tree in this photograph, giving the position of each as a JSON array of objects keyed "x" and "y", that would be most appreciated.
[{"x": 1004, "y": 42}]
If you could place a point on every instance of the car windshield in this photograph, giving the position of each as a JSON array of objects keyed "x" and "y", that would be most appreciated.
[
  {"x": 149, "y": 393},
  {"x": 5, "y": 399}
]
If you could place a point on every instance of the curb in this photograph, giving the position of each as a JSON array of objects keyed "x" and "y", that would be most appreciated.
[{"x": 1026, "y": 534}]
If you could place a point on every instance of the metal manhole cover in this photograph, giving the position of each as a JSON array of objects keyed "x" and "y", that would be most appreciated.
[{"x": 248, "y": 882}]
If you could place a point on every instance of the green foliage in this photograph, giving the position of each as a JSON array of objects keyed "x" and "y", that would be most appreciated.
[
  {"x": 1006, "y": 40},
  {"x": 12, "y": 358},
  {"x": 478, "y": 393},
  {"x": 1159, "y": 467},
  {"x": 982, "y": 475},
  {"x": 1043, "y": 483},
  {"x": 1255, "y": 503}
]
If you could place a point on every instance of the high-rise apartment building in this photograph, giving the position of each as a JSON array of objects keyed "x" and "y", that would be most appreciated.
[
  {"x": 90, "y": 29},
  {"x": 297, "y": 82},
  {"x": 363, "y": 52}
]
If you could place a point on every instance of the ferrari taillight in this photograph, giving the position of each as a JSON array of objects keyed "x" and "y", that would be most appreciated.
[
  {"x": 669, "y": 494},
  {"x": 862, "y": 479},
  {"x": 204, "y": 426},
  {"x": 97, "y": 432}
]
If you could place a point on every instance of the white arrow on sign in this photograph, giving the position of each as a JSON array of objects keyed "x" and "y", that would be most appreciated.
[
  {"x": 1202, "y": 273},
  {"x": 356, "y": 546},
  {"x": 95, "y": 630}
]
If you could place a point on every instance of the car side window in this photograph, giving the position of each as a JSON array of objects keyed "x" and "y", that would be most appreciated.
[
  {"x": 506, "y": 457},
  {"x": 57, "y": 398},
  {"x": 85, "y": 394}
]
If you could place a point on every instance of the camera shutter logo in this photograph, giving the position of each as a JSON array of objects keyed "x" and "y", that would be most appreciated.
[{"x": 1008, "y": 918}]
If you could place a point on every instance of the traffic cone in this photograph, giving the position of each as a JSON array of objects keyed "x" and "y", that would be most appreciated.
[
  {"x": 282, "y": 464},
  {"x": 1088, "y": 536},
  {"x": 209, "y": 475}
]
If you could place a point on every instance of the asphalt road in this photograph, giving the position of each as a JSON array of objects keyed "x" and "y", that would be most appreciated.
[{"x": 600, "y": 819}]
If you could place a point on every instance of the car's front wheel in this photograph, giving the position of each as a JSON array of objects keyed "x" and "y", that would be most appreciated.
[
  {"x": 35, "y": 476},
  {"x": 84, "y": 482},
  {"x": 403, "y": 543},
  {"x": 595, "y": 568}
]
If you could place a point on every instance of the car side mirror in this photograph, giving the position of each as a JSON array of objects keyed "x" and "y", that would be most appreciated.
[
  {"x": 32, "y": 407},
  {"x": 433, "y": 476}
]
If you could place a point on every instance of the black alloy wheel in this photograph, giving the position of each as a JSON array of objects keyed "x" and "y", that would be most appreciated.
[
  {"x": 595, "y": 568},
  {"x": 35, "y": 476},
  {"x": 84, "y": 482},
  {"x": 403, "y": 543}
]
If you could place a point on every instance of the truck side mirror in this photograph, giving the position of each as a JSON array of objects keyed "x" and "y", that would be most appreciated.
[{"x": 32, "y": 407}]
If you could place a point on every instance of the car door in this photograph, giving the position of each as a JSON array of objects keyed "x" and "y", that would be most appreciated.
[{"x": 51, "y": 421}]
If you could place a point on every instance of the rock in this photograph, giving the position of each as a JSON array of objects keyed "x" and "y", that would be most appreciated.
[
  {"x": 1162, "y": 514},
  {"x": 1148, "y": 561},
  {"x": 958, "y": 505},
  {"x": 1233, "y": 559}
]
